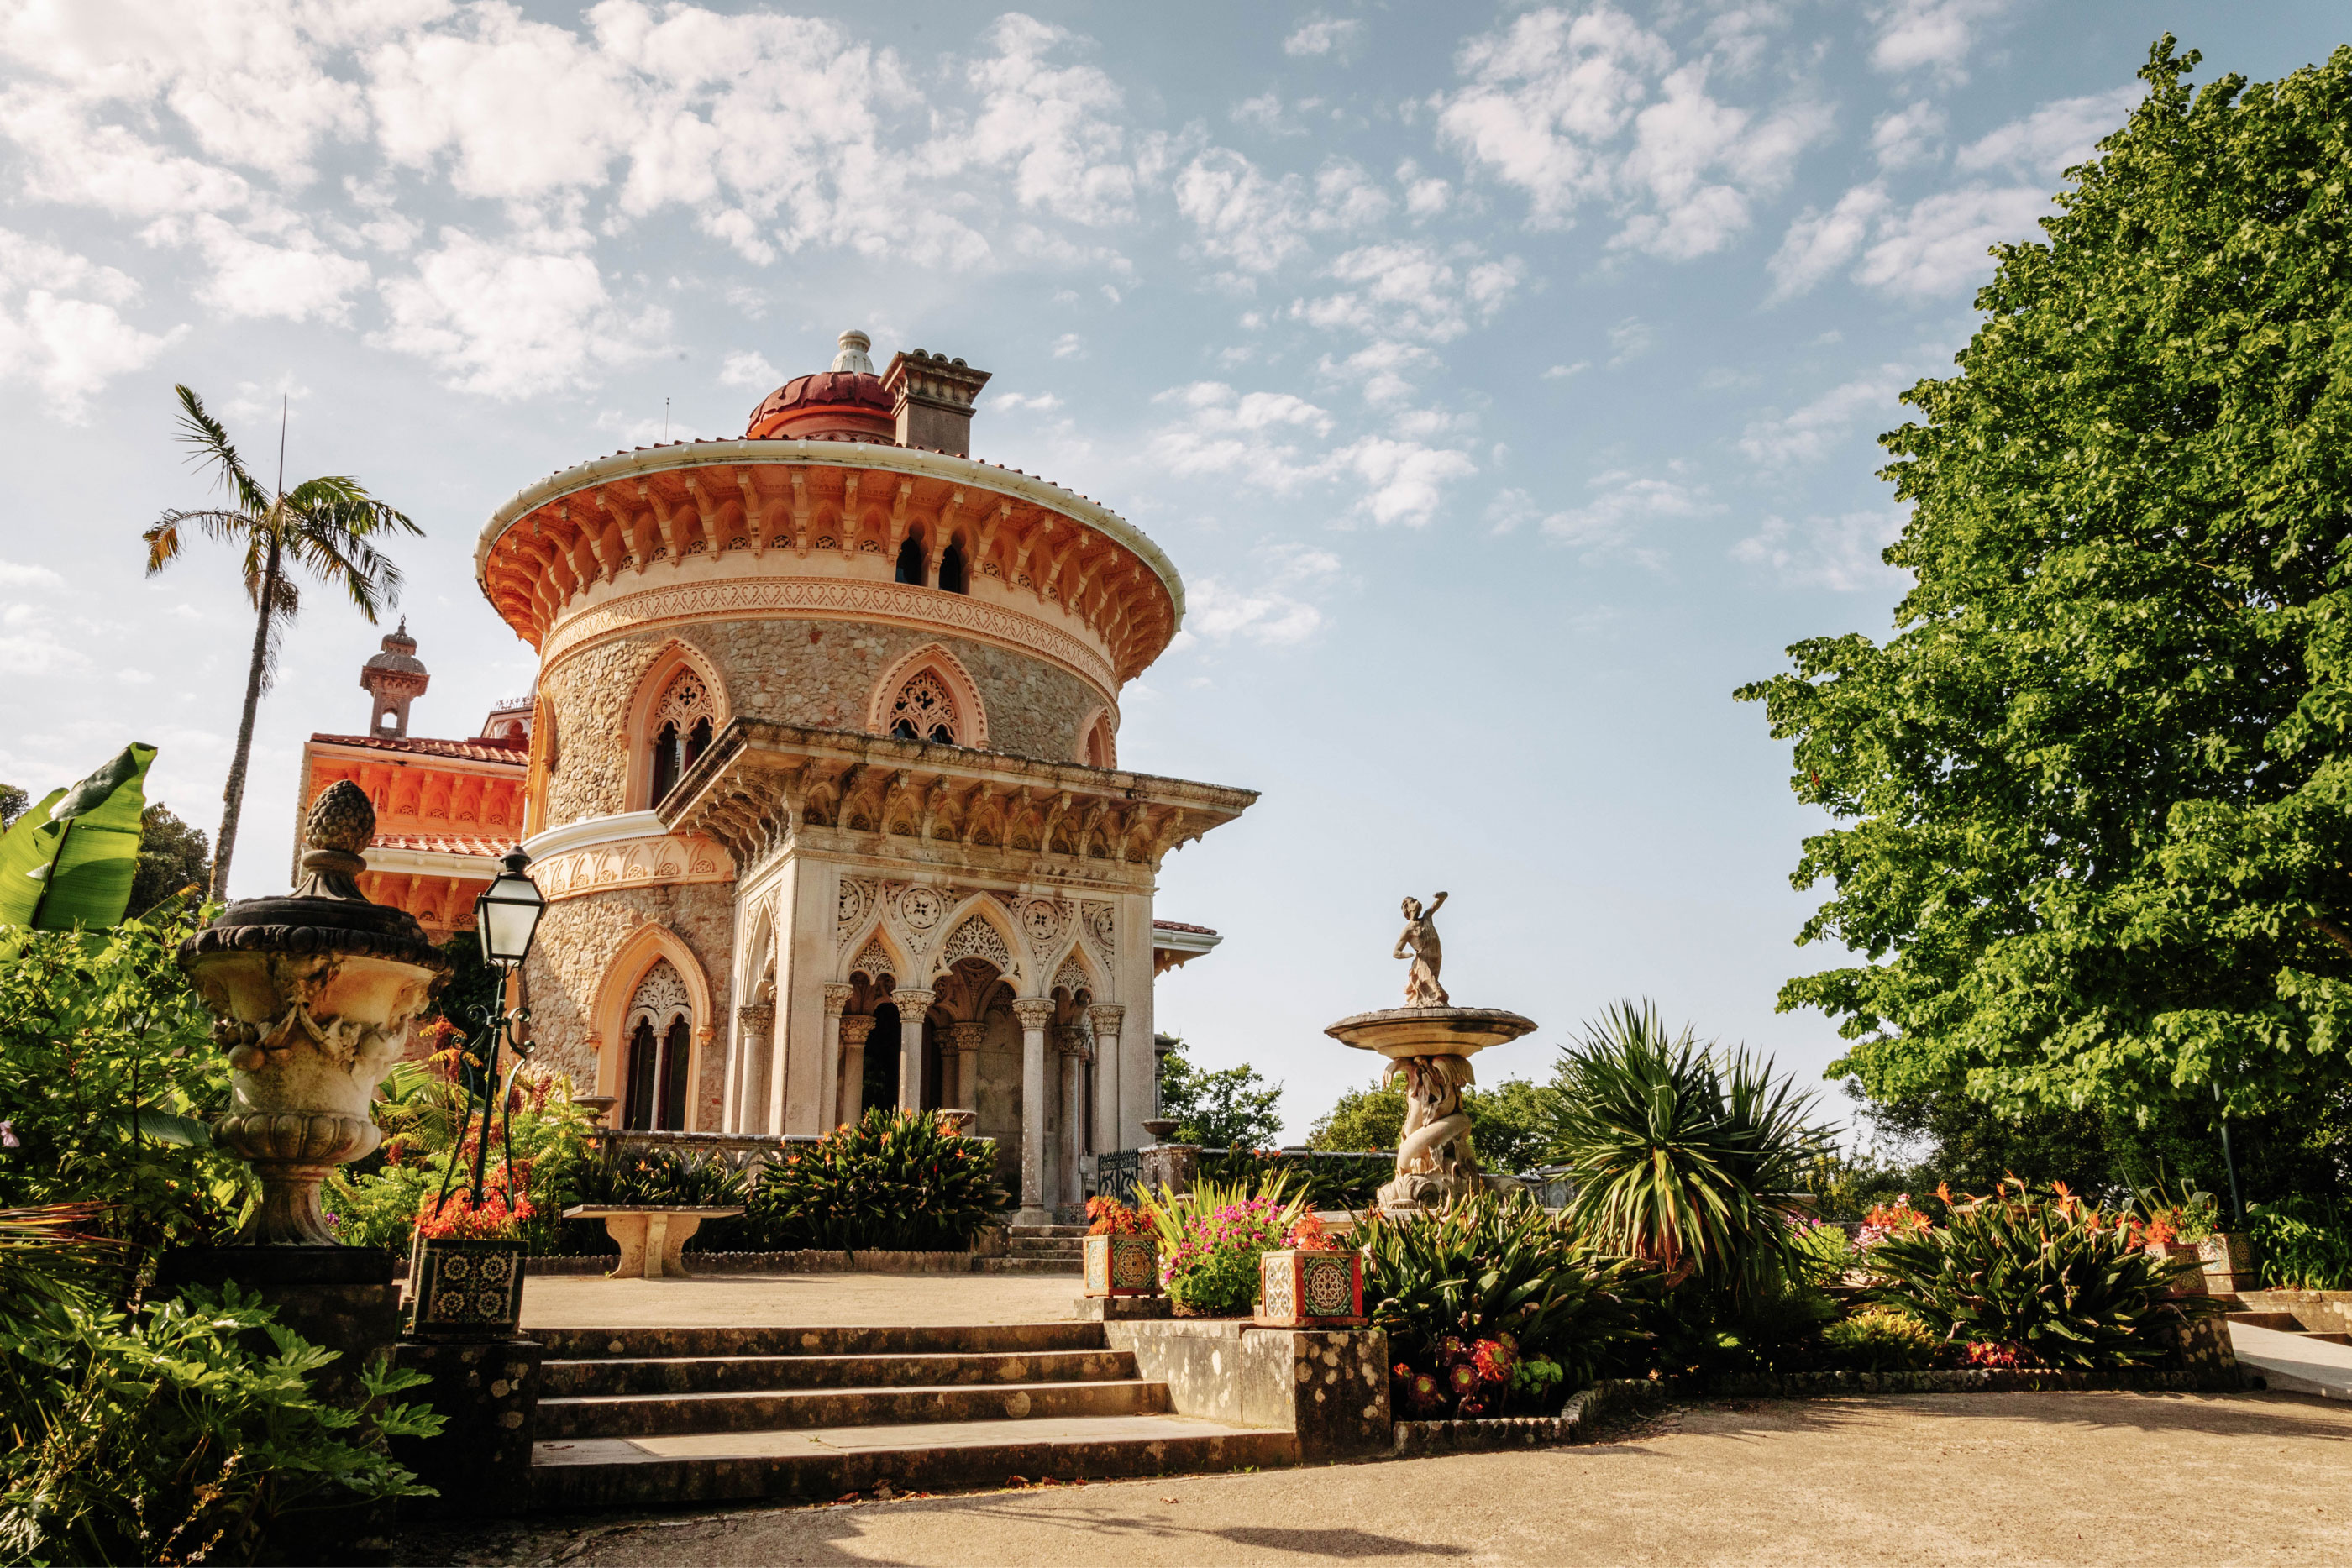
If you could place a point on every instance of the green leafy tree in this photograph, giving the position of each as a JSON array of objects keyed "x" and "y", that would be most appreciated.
[
  {"x": 1227, "y": 1108},
  {"x": 171, "y": 856},
  {"x": 2091, "y": 795},
  {"x": 1507, "y": 1123},
  {"x": 323, "y": 528},
  {"x": 13, "y": 802}
]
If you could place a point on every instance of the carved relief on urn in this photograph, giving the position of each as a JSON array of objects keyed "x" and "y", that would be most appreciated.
[{"x": 312, "y": 995}]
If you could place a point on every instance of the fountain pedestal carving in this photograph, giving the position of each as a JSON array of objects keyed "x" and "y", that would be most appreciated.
[{"x": 1429, "y": 1043}]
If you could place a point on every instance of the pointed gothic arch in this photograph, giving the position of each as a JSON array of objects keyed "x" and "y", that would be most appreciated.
[
  {"x": 680, "y": 689},
  {"x": 929, "y": 678},
  {"x": 617, "y": 995}
]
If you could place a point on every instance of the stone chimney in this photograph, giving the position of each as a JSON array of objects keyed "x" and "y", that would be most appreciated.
[
  {"x": 395, "y": 678},
  {"x": 932, "y": 397}
]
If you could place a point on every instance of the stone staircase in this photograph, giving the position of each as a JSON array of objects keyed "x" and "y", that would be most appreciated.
[
  {"x": 655, "y": 1418},
  {"x": 1039, "y": 1250}
]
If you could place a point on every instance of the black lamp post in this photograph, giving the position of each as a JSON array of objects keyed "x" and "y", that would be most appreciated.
[{"x": 505, "y": 919}]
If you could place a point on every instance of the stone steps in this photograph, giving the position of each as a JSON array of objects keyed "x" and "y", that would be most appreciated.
[{"x": 659, "y": 1418}]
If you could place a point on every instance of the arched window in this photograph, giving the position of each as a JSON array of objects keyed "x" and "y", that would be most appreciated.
[
  {"x": 951, "y": 569},
  {"x": 910, "y": 561},
  {"x": 681, "y": 728},
  {"x": 661, "y": 1051},
  {"x": 924, "y": 709},
  {"x": 1102, "y": 751}
]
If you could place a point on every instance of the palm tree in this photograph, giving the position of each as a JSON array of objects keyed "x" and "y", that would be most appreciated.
[{"x": 321, "y": 526}]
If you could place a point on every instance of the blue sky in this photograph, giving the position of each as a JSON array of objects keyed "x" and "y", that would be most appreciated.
[{"x": 1504, "y": 384}]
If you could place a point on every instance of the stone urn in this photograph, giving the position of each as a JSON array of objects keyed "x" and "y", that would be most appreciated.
[
  {"x": 1430, "y": 1047},
  {"x": 312, "y": 995}
]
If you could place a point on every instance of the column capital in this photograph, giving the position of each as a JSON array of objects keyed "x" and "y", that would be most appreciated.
[
  {"x": 836, "y": 998},
  {"x": 1107, "y": 1017},
  {"x": 1075, "y": 1042},
  {"x": 1035, "y": 1012},
  {"x": 907, "y": 997},
  {"x": 856, "y": 1027},
  {"x": 968, "y": 1033}
]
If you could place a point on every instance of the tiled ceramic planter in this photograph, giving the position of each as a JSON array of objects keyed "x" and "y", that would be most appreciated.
[
  {"x": 2187, "y": 1280},
  {"x": 2229, "y": 1261},
  {"x": 1310, "y": 1288},
  {"x": 1122, "y": 1266},
  {"x": 464, "y": 1289}
]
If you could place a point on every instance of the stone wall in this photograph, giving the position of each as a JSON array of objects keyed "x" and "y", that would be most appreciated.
[
  {"x": 577, "y": 939},
  {"x": 819, "y": 675}
]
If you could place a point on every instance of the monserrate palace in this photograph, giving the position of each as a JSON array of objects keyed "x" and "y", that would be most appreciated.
[{"x": 820, "y": 777}]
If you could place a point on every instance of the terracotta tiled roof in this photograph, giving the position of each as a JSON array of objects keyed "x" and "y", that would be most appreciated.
[
  {"x": 440, "y": 844},
  {"x": 515, "y": 750},
  {"x": 1180, "y": 925}
]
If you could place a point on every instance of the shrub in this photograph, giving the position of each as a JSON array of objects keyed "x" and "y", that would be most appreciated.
[
  {"x": 620, "y": 1176},
  {"x": 164, "y": 1436},
  {"x": 1329, "y": 1180},
  {"x": 1880, "y": 1339},
  {"x": 2051, "y": 1274},
  {"x": 1212, "y": 1236},
  {"x": 1692, "y": 1163},
  {"x": 1109, "y": 1217},
  {"x": 1489, "y": 1270},
  {"x": 1824, "y": 1253},
  {"x": 2302, "y": 1244},
  {"x": 893, "y": 1180}
]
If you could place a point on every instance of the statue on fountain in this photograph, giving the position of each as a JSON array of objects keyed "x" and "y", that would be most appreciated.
[{"x": 1429, "y": 1043}]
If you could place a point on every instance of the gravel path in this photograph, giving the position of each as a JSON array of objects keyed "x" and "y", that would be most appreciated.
[{"x": 1998, "y": 1478}]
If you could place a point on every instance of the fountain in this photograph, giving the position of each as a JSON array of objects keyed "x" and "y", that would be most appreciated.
[{"x": 1430, "y": 1043}]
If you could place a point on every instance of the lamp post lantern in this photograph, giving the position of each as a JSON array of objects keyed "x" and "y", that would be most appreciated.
[{"x": 505, "y": 919}]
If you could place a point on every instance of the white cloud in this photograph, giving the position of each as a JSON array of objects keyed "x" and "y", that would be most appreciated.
[
  {"x": 1629, "y": 341},
  {"x": 1938, "y": 246},
  {"x": 1819, "y": 243},
  {"x": 1321, "y": 36},
  {"x": 60, "y": 326},
  {"x": 1406, "y": 481},
  {"x": 1266, "y": 616},
  {"x": 507, "y": 323},
  {"x": 1933, "y": 33},
  {"x": 1052, "y": 126},
  {"x": 750, "y": 368},
  {"x": 1594, "y": 108},
  {"x": 1412, "y": 289},
  {"x": 22, "y": 574},
  {"x": 299, "y": 280},
  {"x": 1425, "y": 196},
  {"x": 1256, "y": 435},
  {"x": 1562, "y": 373},
  {"x": 2053, "y": 137},
  {"x": 1623, "y": 506},
  {"x": 29, "y": 644},
  {"x": 1379, "y": 372},
  {"x": 1839, "y": 552},
  {"x": 1257, "y": 224},
  {"x": 1808, "y": 434},
  {"x": 1908, "y": 136},
  {"x": 1070, "y": 346},
  {"x": 1042, "y": 403}
]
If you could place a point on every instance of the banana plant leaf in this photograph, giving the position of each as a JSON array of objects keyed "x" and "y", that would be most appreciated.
[{"x": 70, "y": 861}]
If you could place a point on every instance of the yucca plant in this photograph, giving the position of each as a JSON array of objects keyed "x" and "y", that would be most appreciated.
[
  {"x": 1488, "y": 1267},
  {"x": 2043, "y": 1273},
  {"x": 1692, "y": 1159},
  {"x": 893, "y": 1180}
]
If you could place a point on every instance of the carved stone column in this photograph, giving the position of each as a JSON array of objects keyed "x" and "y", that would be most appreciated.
[
  {"x": 1035, "y": 1013},
  {"x": 1107, "y": 1017},
  {"x": 855, "y": 1028},
  {"x": 755, "y": 1029},
  {"x": 1075, "y": 1053},
  {"x": 912, "y": 1007},
  {"x": 836, "y": 998},
  {"x": 967, "y": 1034}
]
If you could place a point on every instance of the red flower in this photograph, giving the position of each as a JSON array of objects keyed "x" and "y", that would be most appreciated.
[
  {"x": 1493, "y": 1360},
  {"x": 1462, "y": 1378}
]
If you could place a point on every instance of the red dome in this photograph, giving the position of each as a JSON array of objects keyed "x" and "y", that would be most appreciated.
[{"x": 829, "y": 402}]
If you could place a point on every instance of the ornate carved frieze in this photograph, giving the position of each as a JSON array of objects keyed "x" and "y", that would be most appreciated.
[
  {"x": 857, "y": 896},
  {"x": 874, "y": 961},
  {"x": 631, "y": 862},
  {"x": 1071, "y": 976},
  {"x": 1100, "y": 922},
  {"x": 976, "y": 938},
  {"x": 832, "y": 598}
]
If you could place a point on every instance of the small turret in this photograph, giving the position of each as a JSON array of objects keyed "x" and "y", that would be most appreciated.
[{"x": 395, "y": 678}]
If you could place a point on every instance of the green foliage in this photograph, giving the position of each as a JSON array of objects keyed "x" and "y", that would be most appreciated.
[
  {"x": 174, "y": 857},
  {"x": 1824, "y": 1254},
  {"x": 2050, "y": 1274},
  {"x": 12, "y": 805},
  {"x": 169, "y": 1435},
  {"x": 1694, "y": 1164},
  {"x": 1212, "y": 1235},
  {"x": 109, "y": 1081},
  {"x": 1232, "y": 1107},
  {"x": 2302, "y": 1244},
  {"x": 1488, "y": 1267},
  {"x": 68, "y": 863},
  {"x": 893, "y": 1180},
  {"x": 618, "y": 1174},
  {"x": 475, "y": 991},
  {"x": 1880, "y": 1339},
  {"x": 1508, "y": 1124},
  {"x": 1328, "y": 1180},
  {"x": 2092, "y": 794}
]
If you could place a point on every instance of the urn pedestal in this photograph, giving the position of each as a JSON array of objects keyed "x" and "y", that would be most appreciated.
[
  {"x": 1121, "y": 1265},
  {"x": 1310, "y": 1288},
  {"x": 464, "y": 1289}
]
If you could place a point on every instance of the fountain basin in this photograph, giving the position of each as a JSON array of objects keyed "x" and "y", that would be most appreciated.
[{"x": 1400, "y": 1032}]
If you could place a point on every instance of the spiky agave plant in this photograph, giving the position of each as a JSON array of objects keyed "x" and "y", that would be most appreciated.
[{"x": 1691, "y": 1157}]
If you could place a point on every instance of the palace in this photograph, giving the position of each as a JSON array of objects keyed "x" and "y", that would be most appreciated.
[{"x": 820, "y": 778}]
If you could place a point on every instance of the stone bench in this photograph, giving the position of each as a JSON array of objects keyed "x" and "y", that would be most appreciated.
[{"x": 650, "y": 1236}]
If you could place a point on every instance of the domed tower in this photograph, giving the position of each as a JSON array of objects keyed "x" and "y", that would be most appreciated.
[
  {"x": 824, "y": 788},
  {"x": 394, "y": 678}
]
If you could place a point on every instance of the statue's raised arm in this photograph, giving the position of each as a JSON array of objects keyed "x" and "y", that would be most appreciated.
[{"x": 1420, "y": 985}]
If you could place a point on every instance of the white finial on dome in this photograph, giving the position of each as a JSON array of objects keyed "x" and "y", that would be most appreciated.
[{"x": 854, "y": 344}]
